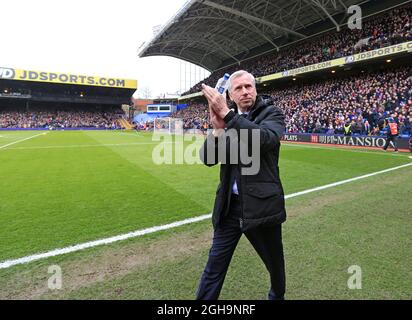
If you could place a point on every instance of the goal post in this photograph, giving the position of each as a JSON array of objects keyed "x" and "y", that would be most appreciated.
[{"x": 168, "y": 125}]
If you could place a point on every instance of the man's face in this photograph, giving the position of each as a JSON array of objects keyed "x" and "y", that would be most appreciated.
[{"x": 243, "y": 92}]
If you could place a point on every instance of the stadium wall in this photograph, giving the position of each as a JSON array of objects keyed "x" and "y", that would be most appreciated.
[{"x": 341, "y": 140}]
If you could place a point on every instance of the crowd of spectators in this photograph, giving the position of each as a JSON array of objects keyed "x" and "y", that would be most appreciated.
[
  {"x": 383, "y": 30},
  {"x": 196, "y": 116},
  {"x": 361, "y": 103},
  {"x": 59, "y": 119},
  {"x": 144, "y": 125}
]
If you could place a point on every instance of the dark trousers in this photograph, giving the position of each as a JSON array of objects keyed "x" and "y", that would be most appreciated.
[
  {"x": 388, "y": 141},
  {"x": 267, "y": 241}
]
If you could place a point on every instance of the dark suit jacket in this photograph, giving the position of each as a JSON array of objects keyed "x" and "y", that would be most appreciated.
[{"x": 261, "y": 194}]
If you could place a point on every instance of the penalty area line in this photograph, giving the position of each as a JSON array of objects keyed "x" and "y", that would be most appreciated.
[
  {"x": 9, "y": 263},
  {"x": 25, "y": 139}
]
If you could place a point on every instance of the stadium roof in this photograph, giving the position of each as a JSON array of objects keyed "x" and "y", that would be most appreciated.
[{"x": 217, "y": 33}]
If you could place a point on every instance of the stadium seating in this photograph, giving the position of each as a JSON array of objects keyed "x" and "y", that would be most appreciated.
[
  {"x": 380, "y": 31},
  {"x": 324, "y": 107},
  {"x": 59, "y": 119},
  {"x": 363, "y": 101}
]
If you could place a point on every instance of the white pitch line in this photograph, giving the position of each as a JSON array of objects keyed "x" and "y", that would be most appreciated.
[
  {"x": 135, "y": 134},
  {"x": 91, "y": 244},
  {"x": 18, "y": 141},
  {"x": 9, "y": 263},
  {"x": 346, "y": 181}
]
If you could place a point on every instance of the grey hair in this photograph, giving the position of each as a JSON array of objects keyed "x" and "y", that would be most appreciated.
[{"x": 238, "y": 74}]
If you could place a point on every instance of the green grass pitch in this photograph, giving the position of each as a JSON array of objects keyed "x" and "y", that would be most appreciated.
[{"x": 66, "y": 188}]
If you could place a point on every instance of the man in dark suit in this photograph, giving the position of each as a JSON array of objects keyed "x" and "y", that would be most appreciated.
[{"x": 252, "y": 204}]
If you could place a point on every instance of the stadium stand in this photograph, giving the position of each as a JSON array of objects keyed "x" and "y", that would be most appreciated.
[
  {"x": 364, "y": 101},
  {"x": 360, "y": 98},
  {"x": 48, "y": 119},
  {"x": 195, "y": 116},
  {"x": 380, "y": 31},
  {"x": 44, "y": 100}
]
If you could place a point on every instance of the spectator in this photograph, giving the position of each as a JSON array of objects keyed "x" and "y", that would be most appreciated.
[{"x": 61, "y": 119}]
